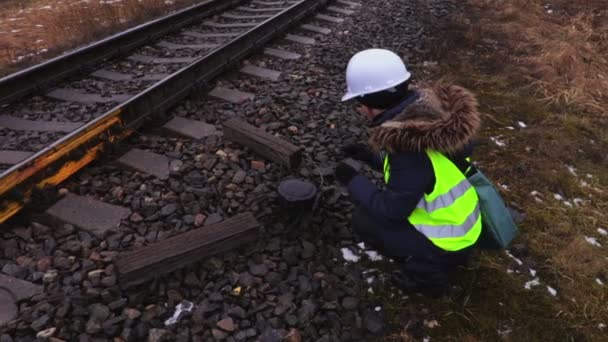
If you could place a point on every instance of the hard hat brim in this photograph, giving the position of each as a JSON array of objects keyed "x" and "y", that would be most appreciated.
[{"x": 350, "y": 96}]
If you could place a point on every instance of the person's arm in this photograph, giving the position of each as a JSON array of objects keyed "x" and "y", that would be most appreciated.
[{"x": 411, "y": 176}]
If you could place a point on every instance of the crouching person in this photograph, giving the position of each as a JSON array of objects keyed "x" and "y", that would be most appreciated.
[{"x": 427, "y": 217}]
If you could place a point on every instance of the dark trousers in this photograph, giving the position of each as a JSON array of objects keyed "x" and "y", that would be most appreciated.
[{"x": 419, "y": 255}]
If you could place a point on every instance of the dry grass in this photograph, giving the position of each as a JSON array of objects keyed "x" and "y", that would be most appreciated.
[
  {"x": 568, "y": 41},
  {"x": 33, "y": 30},
  {"x": 549, "y": 70}
]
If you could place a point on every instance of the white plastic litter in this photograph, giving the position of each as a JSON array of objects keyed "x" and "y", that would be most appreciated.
[{"x": 184, "y": 306}]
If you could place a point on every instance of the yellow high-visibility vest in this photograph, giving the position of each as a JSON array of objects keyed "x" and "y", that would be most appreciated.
[{"x": 449, "y": 216}]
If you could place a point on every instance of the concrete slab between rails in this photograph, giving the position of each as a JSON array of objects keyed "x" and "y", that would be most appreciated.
[
  {"x": 112, "y": 75},
  {"x": 349, "y": 3},
  {"x": 19, "y": 124},
  {"x": 13, "y": 157},
  {"x": 247, "y": 17},
  {"x": 259, "y": 10},
  {"x": 89, "y": 214},
  {"x": 173, "y": 46},
  {"x": 211, "y": 35},
  {"x": 253, "y": 70},
  {"x": 329, "y": 18},
  {"x": 282, "y": 54},
  {"x": 71, "y": 95},
  {"x": 233, "y": 25},
  {"x": 161, "y": 60},
  {"x": 231, "y": 95},
  {"x": 190, "y": 128},
  {"x": 13, "y": 290},
  {"x": 317, "y": 29},
  {"x": 340, "y": 10},
  {"x": 300, "y": 39},
  {"x": 147, "y": 162}
]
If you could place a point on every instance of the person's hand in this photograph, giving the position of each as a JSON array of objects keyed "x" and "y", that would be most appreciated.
[
  {"x": 345, "y": 173},
  {"x": 357, "y": 151}
]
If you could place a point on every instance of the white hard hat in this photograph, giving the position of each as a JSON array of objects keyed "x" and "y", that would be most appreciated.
[{"x": 374, "y": 70}]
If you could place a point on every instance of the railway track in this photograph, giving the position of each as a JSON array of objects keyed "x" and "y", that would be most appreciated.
[{"x": 59, "y": 116}]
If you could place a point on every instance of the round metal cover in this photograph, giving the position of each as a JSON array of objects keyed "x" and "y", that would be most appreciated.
[{"x": 296, "y": 190}]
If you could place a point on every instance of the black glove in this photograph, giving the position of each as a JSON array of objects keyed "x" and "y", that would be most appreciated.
[
  {"x": 358, "y": 151},
  {"x": 345, "y": 173}
]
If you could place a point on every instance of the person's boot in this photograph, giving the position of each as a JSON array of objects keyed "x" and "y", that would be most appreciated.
[{"x": 431, "y": 284}]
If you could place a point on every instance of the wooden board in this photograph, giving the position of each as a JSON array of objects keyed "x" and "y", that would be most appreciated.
[
  {"x": 171, "y": 254},
  {"x": 263, "y": 143}
]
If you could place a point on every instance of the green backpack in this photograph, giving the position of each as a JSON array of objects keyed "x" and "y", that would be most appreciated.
[{"x": 498, "y": 228}]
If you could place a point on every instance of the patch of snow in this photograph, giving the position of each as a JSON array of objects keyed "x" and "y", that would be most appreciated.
[
  {"x": 498, "y": 142},
  {"x": 39, "y": 41},
  {"x": 550, "y": 11},
  {"x": 552, "y": 291},
  {"x": 184, "y": 306},
  {"x": 592, "y": 241},
  {"x": 578, "y": 201},
  {"x": 519, "y": 262},
  {"x": 601, "y": 326},
  {"x": 521, "y": 124},
  {"x": 426, "y": 339},
  {"x": 532, "y": 272},
  {"x": 590, "y": 176},
  {"x": 599, "y": 281},
  {"x": 15, "y": 31},
  {"x": 584, "y": 184},
  {"x": 510, "y": 128},
  {"x": 348, "y": 255},
  {"x": 431, "y": 324},
  {"x": 534, "y": 193},
  {"x": 558, "y": 197},
  {"x": 361, "y": 245},
  {"x": 377, "y": 309},
  {"x": 370, "y": 280},
  {"x": 571, "y": 169},
  {"x": 602, "y": 231},
  {"x": 509, "y": 271},
  {"x": 529, "y": 284},
  {"x": 370, "y": 290},
  {"x": 506, "y": 187},
  {"x": 568, "y": 204},
  {"x": 373, "y": 255}
]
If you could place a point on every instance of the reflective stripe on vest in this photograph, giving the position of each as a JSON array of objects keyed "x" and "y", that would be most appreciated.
[{"x": 449, "y": 216}]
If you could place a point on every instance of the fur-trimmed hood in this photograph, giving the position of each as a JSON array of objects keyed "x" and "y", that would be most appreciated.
[{"x": 444, "y": 118}]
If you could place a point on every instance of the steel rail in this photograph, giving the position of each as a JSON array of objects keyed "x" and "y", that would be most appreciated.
[
  {"x": 61, "y": 159},
  {"x": 41, "y": 76}
]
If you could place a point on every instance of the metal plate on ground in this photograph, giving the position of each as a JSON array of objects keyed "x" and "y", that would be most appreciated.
[
  {"x": 231, "y": 95},
  {"x": 261, "y": 72},
  {"x": 300, "y": 39},
  {"x": 89, "y": 214},
  {"x": 317, "y": 29},
  {"x": 190, "y": 128},
  {"x": 19, "y": 124},
  {"x": 13, "y": 157},
  {"x": 70, "y": 95},
  {"x": 147, "y": 162},
  {"x": 329, "y": 18},
  {"x": 282, "y": 54}
]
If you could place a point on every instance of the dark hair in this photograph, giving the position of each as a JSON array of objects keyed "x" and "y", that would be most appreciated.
[{"x": 385, "y": 99}]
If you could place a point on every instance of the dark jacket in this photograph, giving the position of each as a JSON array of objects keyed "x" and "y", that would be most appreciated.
[{"x": 442, "y": 118}]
